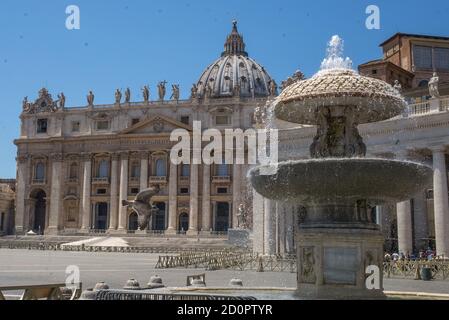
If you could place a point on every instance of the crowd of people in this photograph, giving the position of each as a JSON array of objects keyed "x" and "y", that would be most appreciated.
[{"x": 423, "y": 255}]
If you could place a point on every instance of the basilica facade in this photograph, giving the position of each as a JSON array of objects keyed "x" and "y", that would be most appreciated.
[{"x": 77, "y": 164}]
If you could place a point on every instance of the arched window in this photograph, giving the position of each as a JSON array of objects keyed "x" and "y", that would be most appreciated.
[
  {"x": 40, "y": 171},
  {"x": 161, "y": 170},
  {"x": 185, "y": 170},
  {"x": 135, "y": 170},
  {"x": 73, "y": 172},
  {"x": 222, "y": 170},
  {"x": 103, "y": 169}
]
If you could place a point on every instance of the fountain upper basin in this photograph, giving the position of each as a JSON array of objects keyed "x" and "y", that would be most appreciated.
[
  {"x": 373, "y": 99},
  {"x": 341, "y": 180}
]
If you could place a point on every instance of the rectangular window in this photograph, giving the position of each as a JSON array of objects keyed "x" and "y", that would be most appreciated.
[
  {"x": 101, "y": 191},
  {"x": 222, "y": 120},
  {"x": 134, "y": 190},
  {"x": 222, "y": 190},
  {"x": 185, "y": 120},
  {"x": 102, "y": 125},
  {"x": 374, "y": 71},
  {"x": 422, "y": 57},
  {"x": 184, "y": 191},
  {"x": 42, "y": 125},
  {"x": 75, "y": 126},
  {"x": 442, "y": 58},
  {"x": 135, "y": 121}
]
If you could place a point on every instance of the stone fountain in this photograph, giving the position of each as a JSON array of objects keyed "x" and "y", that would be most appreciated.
[{"x": 337, "y": 239}]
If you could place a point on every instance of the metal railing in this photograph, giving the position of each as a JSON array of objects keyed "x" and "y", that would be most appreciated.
[
  {"x": 123, "y": 295},
  {"x": 100, "y": 180},
  {"x": 412, "y": 269}
]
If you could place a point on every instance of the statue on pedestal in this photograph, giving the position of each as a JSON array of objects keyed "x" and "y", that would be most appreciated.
[
  {"x": 242, "y": 218},
  {"x": 175, "y": 92},
  {"x": 433, "y": 86},
  {"x": 26, "y": 106},
  {"x": 118, "y": 96},
  {"x": 398, "y": 86},
  {"x": 146, "y": 93},
  {"x": 61, "y": 98},
  {"x": 162, "y": 90},
  {"x": 127, "y": 95},
  {"x": 193, "y": 91},
  {"x": 143, "y": 206},
  {"x": 90, "y": 98}
]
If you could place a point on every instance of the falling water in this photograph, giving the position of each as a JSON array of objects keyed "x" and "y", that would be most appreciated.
[{"x": 334, "y": 59}]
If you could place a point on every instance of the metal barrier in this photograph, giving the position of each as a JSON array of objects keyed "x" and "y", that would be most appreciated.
[
  {"x": 227, "y": 259},
  {"x": 412, "y": 269},
  {"x": 123, "y": 295},
  {"x": 44, "y": 292}
]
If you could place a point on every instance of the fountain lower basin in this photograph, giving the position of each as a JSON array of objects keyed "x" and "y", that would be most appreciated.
[
  {"x": 330, "y": 181},
  {"x": 337, "y": 240}
]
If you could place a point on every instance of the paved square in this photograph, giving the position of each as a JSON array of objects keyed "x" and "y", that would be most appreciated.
[{"x": 24, "y": 267}]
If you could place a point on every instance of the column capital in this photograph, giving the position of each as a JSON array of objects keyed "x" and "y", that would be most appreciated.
[
  {"x": 115, "y": 156},
  {"x": 144, "y": 155},
  {"x": 124, "y": 155},
  {"x": 438, "y": 149},
  {"x": 56, "y": 157},
  {"x": 87, "y": 156},
  {"x": 23, "y": 158}
]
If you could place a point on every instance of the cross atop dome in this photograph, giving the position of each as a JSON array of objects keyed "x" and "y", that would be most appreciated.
[{"x": 234, "y": 44}]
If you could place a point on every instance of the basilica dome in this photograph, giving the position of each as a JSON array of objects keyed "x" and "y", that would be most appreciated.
[{"x": 235, "y": 73}]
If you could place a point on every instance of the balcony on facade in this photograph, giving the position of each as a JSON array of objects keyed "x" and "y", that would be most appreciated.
[
  {"x": 221, "y": 179},
  {"x": 134, "y": 181},
  {"x": 429, "y": 106},
  {"x": 158, "y": 180},
  {"x": 100, "y": 180},
  {"x": 39, "y": 182},
  {"x": 184, "y": 180}
]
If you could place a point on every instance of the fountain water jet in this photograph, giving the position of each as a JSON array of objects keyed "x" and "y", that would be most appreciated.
[{"x": 337, "y": 238}]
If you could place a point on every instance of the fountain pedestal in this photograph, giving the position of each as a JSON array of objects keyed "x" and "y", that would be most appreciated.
[{"x": 332, "y": 263}]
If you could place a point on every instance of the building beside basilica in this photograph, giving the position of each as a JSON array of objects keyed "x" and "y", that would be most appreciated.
[{"x": 75, "y": 165}]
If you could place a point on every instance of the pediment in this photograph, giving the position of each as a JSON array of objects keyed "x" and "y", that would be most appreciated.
[{"x": 156, "y": 125}]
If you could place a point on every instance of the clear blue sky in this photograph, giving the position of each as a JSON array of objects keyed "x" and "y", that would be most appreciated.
[{"x": 135, "y": 42}]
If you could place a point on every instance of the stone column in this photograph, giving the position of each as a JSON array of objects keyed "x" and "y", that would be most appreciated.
[
  {"x": 123, "y": 191},
  {"x": 86, "y": 206},
  {"x": 206, "y": 223},
  {"x": 144, "y": 170},
  {"x": 193, "y": 215},
  {"x": 55, "y": 194},
  {"x": 441, "y": 202},
  {"x": 172, "y": 199},
  {"x": 421, "y": 228},
  {"x": 22, "y": 182},
  {"x": 405, "y": 227},
  {"x": 258, "y": 222},
  {"x": 269, "y": 227},
  {"x": 114, "y": 205},
  {"x": 236, "y": 193}
]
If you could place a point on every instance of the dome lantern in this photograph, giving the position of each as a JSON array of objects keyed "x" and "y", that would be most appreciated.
[{"x": 234, "y": 73}]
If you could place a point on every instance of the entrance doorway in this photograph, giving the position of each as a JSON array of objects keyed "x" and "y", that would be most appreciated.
[
  {"x": 101, "y": 216},
  {"x": 132, "y": 222},
  {"x": 40, "y": 209},
  {"x": 222, "y": 217},
  {"x": 159, "y": 218},
  {"x": 183, "y": 222}
]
